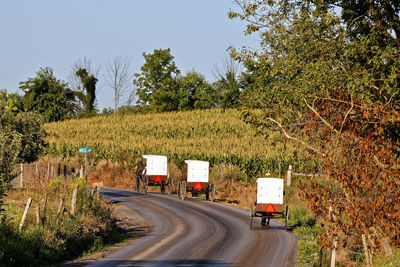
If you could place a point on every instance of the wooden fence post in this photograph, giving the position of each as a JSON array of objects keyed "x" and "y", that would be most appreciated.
[
  {"x": 44, "y": 208},
  {"x": 60, "y": 207},
  {"x": 333, "y": 253},
  {"x": 98, "y": 192},
  {"x": 37, "y": 171},
  {"x": 73, "y": 201},
  {"x": 21, "y": 182},
  {"x": 289, "y": 176},
  {"x": 28, "y": 204},
  {"x": 366, "y": 251},
  {"x": 92, "y": 192},
  {"x": 38, "y": 213},
  {"x": 81, "y": 172},
  {"x": 48, "y": 171}
]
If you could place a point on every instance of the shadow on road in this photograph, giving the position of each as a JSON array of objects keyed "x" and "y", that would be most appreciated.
[{"x": 178, "y": 263}]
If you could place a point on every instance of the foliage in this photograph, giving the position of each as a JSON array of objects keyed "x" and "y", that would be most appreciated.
[
  {"x": 196, "y": 92},
  {"x": 48, "y": 96},
  {"x": 54, "y": 240},
  {"x": 11, "y": 102},
  {"x": 89, "y": 85},
  {"x": 306, "y": 227},
  {"x": 10, "y": 144},
  {"x": 21, "y": 140},
  {"x": 330, "y": 82},
  {"x": 29, "y": 127},
  {"x": 157, "y": 87},
  {"x": 228, "y": 89}
]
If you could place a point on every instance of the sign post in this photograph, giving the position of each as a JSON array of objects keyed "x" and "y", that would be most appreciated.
[{"x": 85, "y": 150}]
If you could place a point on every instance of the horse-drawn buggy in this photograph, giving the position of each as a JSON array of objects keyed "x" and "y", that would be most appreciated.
[
  {"x": 153, "y": 173},
  {"x": 269, "y": 202},
  {"x": 195, "y": 179}
]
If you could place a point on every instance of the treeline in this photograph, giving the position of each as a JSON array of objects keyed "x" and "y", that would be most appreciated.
[
  {"x": 158, "y": 87},
  {"x": 327, "y": 77}
]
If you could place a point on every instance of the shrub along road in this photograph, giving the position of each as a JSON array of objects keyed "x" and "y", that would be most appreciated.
[{"x": 195, "y": 232}]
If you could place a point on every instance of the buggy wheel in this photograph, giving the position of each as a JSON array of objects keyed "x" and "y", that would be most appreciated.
[
  {"x": 286, "y": 218},
  {"x": 251, "y": 217},
  {"x": 212, "y": 192},
  {"x": 182, "y": 190},
  {"x": 137, "y": 183},
  {"x": 162, "y": 187},
  {"x": 178, "y": 192},
  {"x": 145, "y": 184},
  {"x": 169, "y": 190}
]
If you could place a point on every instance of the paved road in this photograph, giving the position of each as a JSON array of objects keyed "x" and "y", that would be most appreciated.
[{"x": 195, "y": 232}]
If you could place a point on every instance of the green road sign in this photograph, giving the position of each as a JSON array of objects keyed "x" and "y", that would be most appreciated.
[{"x": 85, "y": 149}]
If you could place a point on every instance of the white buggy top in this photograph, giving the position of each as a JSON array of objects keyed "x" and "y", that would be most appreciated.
[
  {"x": 269, "y": 191},
  {"x": 197, "y": 171},
  {"x": 156, "y": 165}
]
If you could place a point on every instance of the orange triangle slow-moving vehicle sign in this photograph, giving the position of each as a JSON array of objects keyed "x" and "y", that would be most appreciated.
[
  {"x": 158, "y": 179},
  {"x": 198, "y": 186},
  {"x": 270, "y": 208}
]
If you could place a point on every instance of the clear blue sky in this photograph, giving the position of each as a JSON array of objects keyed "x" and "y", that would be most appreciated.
[{"x": 57, "y": 33}]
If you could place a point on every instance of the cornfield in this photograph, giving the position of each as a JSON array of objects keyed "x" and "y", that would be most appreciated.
[{"x": 212, "y": 135}]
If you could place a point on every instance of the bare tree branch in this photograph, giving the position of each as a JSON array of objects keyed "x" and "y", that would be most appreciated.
[
  {"x": 117, "y": 77},
  {"x": 132, "y": 98},
  {"x": 82, "y": 63},
  {"x": 330, "y": 126},
  {"x": 289, "y": 136}
]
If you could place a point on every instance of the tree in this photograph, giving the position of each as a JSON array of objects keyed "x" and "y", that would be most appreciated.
[
  {"x": 196, "y": 92},
  {"x": 117, "y": 77},
  {"x": 227, "y": 84},
  {"x": 330, "y": 83},
  {"x": 22, "y": 139},
  {"x": 74, "y": 80},
  {"x": 89, "y": 85},
  {"x": 48, "y": 96},
  {"x": 11, "y": 101},
  {"x": 156, "y": 85}
]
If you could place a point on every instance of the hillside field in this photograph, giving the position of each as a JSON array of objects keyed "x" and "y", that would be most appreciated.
[{"x": 212, "y": 135}]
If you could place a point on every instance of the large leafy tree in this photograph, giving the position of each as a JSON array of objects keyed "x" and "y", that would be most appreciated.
[
  {"x": 22, "y": 139},
  {"x": 196, "y": 92},
  {"x": 87, "y": 95},
  {"x": 48, "y": 96},
  {"x": 157, "y": 87},
  {"x": 328, "y": 79}
]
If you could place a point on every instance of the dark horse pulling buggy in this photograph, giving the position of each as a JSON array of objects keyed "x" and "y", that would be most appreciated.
[
  {"x": 153, "y": 173},
  {"x": 269, "y": 202},
  {"x": 195, "y": 179}
]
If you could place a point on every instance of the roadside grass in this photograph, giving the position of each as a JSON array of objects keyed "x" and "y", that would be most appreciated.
[
  {"x": 388, "y": 261},
  {"x": 58, "y": 236}
]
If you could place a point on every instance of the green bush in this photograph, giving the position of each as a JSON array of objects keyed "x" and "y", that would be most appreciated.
[{"x": 53, "y": 241}]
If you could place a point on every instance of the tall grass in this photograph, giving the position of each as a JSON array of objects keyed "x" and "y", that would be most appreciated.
[
  {"x": 212, "y": 135},
  {"x": 58, "y": 236}
]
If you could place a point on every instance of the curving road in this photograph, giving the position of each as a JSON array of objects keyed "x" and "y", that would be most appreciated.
[{"x": 195, "y": 232}]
